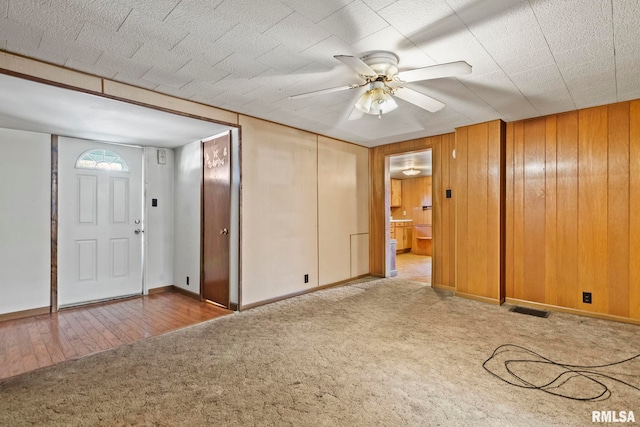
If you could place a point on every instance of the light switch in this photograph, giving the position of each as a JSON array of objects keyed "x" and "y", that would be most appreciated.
[{"x": 162, "y": 157}]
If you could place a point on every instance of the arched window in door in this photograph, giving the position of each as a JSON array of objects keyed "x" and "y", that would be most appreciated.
[{"x": 101, "y": 159}]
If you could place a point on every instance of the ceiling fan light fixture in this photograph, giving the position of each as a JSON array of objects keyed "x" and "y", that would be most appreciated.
[
  {"x": 411, "y": 172},
  {"x": 376, "y": 101},
  {"x": 382, "y": 62},
  {"x": 383, "y": 82},
  {"x": 382, "y": 103},
  {"x": 364, "y": 102}
]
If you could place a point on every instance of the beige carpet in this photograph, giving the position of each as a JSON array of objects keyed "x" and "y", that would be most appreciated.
[{"x": 384, "y": 352}]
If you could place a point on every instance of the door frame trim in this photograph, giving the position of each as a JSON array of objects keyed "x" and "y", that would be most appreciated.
[
  {"x": 54, "y": 224},
  {"x": 387, "y": 206},
  {"x": 54, "y": 304},
  {"x": 232, "y": 306}
]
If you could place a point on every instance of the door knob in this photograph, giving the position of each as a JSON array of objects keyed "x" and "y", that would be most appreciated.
[
  {"x": 138, "y": 231},
  {"x": 224, "y": 231}
]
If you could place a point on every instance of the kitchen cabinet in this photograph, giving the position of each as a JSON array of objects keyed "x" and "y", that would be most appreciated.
[
  {"x": 396, "y": 193},
  {"x": 407, "y": 232},
  {"x": 402, "y": 233}
]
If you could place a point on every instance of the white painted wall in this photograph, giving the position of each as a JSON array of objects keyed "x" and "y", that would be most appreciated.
[
  {"x": 25, "y": 220},
  {"x": 301, "y": 192},
  {"x": 279, "y": 210},
  {"x": 343, "y": 210},
  {"x": 305, "y": 210},
  {"x": 359, "y": 254},
  {"x": 187, "y": 193},
  {"x": 159, "y": 182}
]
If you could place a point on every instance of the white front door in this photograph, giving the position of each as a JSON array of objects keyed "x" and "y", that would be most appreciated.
[{"x": 99, "y": 221}]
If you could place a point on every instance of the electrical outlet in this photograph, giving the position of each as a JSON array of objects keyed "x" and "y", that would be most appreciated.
[
  {"x": 187, "y": 280},
  {"x": 586, "y": 297},
  {"x": 306, "y": 278}
]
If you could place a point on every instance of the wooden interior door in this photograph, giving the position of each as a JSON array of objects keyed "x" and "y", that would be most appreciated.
[{"x": 217, "y": 219}]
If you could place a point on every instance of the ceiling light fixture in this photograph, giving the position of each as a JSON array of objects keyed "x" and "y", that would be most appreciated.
[
  {"x": 383, "y": 82},
  {"x": 411, "y": 172},
  {"x": 376, "y": 101}
]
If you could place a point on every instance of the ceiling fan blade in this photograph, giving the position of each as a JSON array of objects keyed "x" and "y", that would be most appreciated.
[
  {"x": 435, "y": 72},
  {"x": 357, "y": 65},
  {"x": 323, "y": 91},
  {"x": 416, "y": 98},
  {"x": 355, "y": 114}
]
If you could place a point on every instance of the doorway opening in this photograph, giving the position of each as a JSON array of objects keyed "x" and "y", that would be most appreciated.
[{"x": 411, "y": 215}]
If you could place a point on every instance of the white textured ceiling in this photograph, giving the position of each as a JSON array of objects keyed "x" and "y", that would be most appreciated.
[
  {"x": 529, "y": 57},
  {"x": 38, "y": 107},
  {"x": 419, "y": 160}
]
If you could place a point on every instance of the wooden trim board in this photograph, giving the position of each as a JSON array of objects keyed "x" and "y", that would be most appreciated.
[
  {"x": 24, "y": 313},
  {"x": 303, "y": 292},
  {"x": 190, "y": 294},
  {"x": 54, "y": 224},
  {"x": 479, "y": 298},
  {"x": 444, "y": 287},
  {"x": 161, "y": 290}
]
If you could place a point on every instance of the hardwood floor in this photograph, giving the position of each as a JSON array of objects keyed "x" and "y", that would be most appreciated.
[
  {"x": 414, "y": 267},
  {"x": 35, "y": 342}
]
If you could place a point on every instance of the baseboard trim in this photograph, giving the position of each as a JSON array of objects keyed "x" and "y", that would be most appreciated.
[
  {"x": 25, "y": 313},
  {"x": 190, "y": 294},
  {"x": 549, "y": 307},
  {"x": 303, "y": 292},
  {"x": 479, "y": 298},
  {"x": 342, "y": 282},
  {"x": 444, "y": 287},
  {"x": 161, "y": 290},
  {"x": 232, "y": 306}
]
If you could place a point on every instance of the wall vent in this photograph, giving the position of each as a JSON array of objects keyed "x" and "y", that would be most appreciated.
[{"x": 529, "y": 311}]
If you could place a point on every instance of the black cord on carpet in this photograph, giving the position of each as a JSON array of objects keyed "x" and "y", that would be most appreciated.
[{"x": 596, "y": 392}]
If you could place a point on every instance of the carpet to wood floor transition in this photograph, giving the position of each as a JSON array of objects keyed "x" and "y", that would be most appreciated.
[{"x": 385, "y": 352}]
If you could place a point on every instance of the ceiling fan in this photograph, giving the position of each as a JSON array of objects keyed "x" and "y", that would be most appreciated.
[{"x": 383, "y": 80}]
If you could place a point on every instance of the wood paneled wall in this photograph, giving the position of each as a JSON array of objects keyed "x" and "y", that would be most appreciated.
[
  {"x": 479, "y": 186},
  {"x": 444, "y": 213},
  {"x": 443, "y": 220},
  {"x": 573, "y": 181},
  {"x": 416, "y": 193}
]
